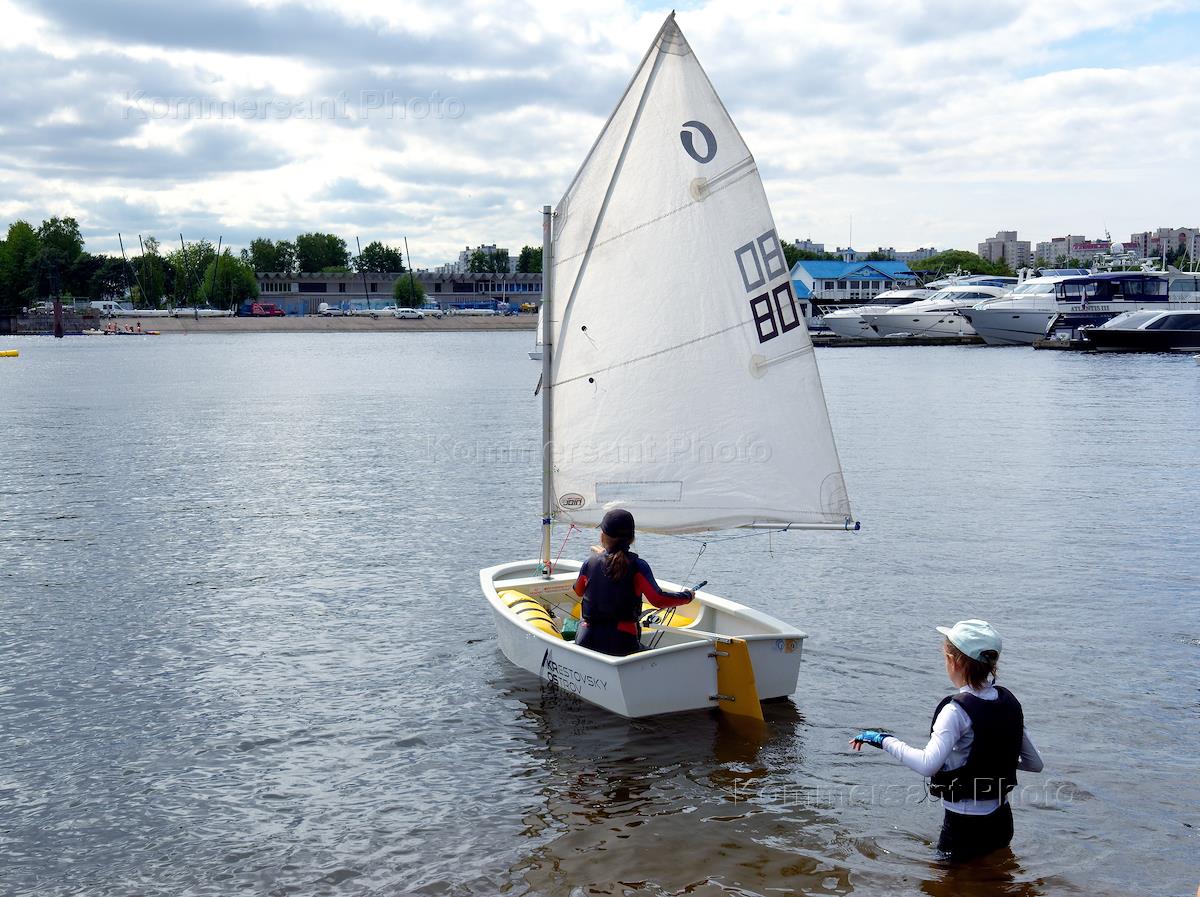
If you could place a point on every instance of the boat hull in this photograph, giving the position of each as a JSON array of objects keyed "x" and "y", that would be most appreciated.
[
  {"x": 930, "y": 323},
  {"x": 1010, "y": 326},
  {"x": 1143, "y": 340},
  {"x": 679, "y": 675},
  {"x": 850, "y": 325}
]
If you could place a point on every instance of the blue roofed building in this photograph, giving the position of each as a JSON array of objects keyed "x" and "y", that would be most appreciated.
[{"x": 835, "y": 283}]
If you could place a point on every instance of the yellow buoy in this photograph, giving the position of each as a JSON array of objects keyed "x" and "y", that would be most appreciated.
[
  {"x": 529, "y": 610},
  {"x": 9, "y": 353}
]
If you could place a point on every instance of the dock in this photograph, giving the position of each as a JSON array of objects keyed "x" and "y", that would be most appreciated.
[{"x": 854, "y": 342}]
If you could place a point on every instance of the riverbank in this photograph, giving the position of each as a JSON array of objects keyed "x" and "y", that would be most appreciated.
[{"x": 314, "y": 324}]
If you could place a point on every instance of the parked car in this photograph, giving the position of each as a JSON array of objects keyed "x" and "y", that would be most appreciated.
[
  {"x": 432, "y": 310},
  {"x": 411, "y": 313},
  {"x": 261, "y": 310},
  {"x": 528, "y": 307},
  {"x": 325, "y": 310}
]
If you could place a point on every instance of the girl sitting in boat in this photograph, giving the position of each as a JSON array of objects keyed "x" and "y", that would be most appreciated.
[
  {"x": 977, "y": 743},
  {"x": 612, "y": 583}
]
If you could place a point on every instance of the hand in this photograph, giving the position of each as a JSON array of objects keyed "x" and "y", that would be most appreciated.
[
  {"x": 873, "y": 737},
  {"x": 688, "y": 594}
]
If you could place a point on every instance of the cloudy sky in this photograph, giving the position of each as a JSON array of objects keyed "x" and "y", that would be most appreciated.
[{"x": 923, "y": 123}]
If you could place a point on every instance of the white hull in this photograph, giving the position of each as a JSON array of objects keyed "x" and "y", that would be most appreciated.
[
  {"x": 946, "y": 322},
  {"x": 1010, "y": 326},
  {"x": 850, "y": 323},
  {"x": 140, "y": 313},
  {"x": 680, "y": 674},
  {"x": 183, "y": 312}
]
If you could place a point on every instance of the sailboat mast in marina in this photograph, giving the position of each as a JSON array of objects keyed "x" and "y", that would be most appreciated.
[{"x": 678, "y": 382}]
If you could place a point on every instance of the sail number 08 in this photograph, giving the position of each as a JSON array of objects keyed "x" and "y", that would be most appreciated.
[{"x": 774, "y": 308}]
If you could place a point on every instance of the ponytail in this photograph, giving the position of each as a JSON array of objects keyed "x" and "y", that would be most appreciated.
[{"x": 617, "y": 564}]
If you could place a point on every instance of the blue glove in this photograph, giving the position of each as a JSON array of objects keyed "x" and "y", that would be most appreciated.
[{"x": 872, "y": 737}]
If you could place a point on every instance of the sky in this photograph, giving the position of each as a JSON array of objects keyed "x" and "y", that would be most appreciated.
[{"x": 882, "y": 122}]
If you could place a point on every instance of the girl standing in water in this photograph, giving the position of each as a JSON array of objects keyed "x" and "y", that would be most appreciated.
[{"x": 977, "y": 742}]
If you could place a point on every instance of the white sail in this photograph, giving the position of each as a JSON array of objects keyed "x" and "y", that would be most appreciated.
[{"x": 683, "y": 382}]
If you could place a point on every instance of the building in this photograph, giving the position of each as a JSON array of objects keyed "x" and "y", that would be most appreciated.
[
  {"x": 463, "y": 265},
  {"x": 915, "y": 255},
  {"x": 833, "y": 283},
  {"x": 1166, "y": 240},
  {"x": 301, "y": 294},
  {"x": 809, "y": 246},
  {"x": 1005, "y": 247}
]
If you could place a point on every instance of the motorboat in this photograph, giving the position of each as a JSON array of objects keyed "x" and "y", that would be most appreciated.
[
  {"x": 712, "y": 324},
  {"x": 849, "y": 322},
  {"x": 1041, "y": 304},
  {"x": 1147, "y": 330},
  {"x": 938, "y": 315}
]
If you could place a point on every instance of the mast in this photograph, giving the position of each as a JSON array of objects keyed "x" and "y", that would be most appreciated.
[
  {"x": 363, "y": 272},
  {"x": 547, "y": 354}
]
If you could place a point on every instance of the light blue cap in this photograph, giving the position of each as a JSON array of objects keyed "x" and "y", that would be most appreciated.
[{"x": 972, "y": 637}]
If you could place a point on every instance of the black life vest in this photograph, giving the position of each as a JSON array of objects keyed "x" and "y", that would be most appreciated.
[
  {"x": 990, "y": 772},
  {"x": 607, "y": 602}
]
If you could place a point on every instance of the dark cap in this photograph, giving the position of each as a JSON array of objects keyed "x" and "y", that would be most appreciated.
[{"x": 618, "y": 524}]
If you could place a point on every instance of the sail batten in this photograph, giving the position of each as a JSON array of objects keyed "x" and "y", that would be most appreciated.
[{"x": 684, "y": 382}]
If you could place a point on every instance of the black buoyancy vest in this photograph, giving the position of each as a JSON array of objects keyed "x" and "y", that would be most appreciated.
[
  {"x": 606, "y": 601},
  {"x": 990, "y": 772}
]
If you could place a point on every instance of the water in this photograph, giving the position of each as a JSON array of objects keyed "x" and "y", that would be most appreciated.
[{"x": 243, "y": 647}]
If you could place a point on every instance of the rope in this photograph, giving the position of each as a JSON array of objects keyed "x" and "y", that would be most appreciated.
[
  {"x": 561, "y": 548},
  {"x": 703, "y": 545}
]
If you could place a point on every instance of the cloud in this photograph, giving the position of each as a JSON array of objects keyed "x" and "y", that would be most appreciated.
[{"x": 925, "y": 121}]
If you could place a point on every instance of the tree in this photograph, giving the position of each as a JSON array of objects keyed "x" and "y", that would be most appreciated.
[
  {"x": 791, "y": 254},
  {"x": 268, "y": 255},
  {"x": 960, "y": 260},
  {"x": 478, "y": 263},
  {"x": 108, "y": 280},
  {"x": 228, "y": 282},
  {"x": 152, "y": 274},
  {"x": 59, "y": 244},
  {"x": 17, "y": 260},
  {"x": 317, "y": 251},
  {"x": 405, "y": 294},
  {"x": 530, "y": 260},
  {"x": 189, "y": 263},
  {"x": 379, "y": 259}
]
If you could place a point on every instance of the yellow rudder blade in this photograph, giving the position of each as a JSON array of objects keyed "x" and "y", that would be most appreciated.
[{"x": 738, "y": 694}]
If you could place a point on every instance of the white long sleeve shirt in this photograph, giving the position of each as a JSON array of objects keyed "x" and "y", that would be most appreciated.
[{"x": 950, "y": 745}]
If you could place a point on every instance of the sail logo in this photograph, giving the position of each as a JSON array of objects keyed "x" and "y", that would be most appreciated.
[
  {"x": 689, "y": 141},
  {"x": 774, "y": 308},
  {"x": 571, "y": 501}
]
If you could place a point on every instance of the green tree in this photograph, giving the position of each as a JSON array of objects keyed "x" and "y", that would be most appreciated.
[
  {"x": 108, "y": 280},
  {"x": 152, "y": 275},
  {"x": 189, "y": 262},
  {"x": 18, "y": 254},
  {"x": 379, "y": 258},
  {"x": 408, "y": 292},
  {"x": 809, "y": 256},
  {"x": 317, "y": 251},
  {"x": 277, "y": 257},
  {"x": 499, "y": 260},
  {"x": 530, "y": 260},
  {"x": 960, "y": 260},
  {"x": 62, "y": 234},
  {"x": 227, "y": 282},
  {"x": 478, "y": 263}
]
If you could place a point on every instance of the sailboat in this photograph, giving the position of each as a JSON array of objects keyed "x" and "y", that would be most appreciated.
[{"x": 678, "y": 382}]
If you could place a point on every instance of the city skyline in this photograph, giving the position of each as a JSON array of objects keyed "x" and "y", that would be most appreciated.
[{"x": 922, "y": 124}]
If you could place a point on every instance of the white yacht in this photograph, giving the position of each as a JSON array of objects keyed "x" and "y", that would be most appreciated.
[
  {"x": 1030, "y": 311},
  {"x": 937, "y": 315},
  {"x": 848, "y": 322}
]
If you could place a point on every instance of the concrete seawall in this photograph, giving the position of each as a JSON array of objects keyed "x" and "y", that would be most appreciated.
[{"x": 312, "y": 324}]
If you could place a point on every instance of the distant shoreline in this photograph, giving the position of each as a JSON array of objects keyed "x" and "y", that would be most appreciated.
[{"x": 315, "y": 324}]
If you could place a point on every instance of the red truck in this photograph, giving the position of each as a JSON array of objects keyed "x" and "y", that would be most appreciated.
[{"x": 261, "y": 310}]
